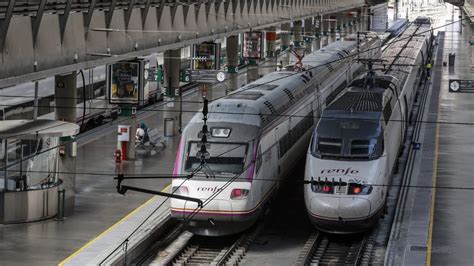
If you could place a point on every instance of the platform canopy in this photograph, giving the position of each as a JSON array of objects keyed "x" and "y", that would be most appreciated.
[{"x": 33, "y": 129}]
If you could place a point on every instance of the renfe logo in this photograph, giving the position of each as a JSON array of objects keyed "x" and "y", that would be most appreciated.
[
  {"x": 340, "y": 171},
  {"x": 209, "y": 189}
]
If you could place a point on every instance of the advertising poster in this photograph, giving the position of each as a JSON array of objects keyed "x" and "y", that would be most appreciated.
[
  {"x": 124, "y": 82},
  {"x": 205, "y": 56},
  {"x": 252, "y": 45}
]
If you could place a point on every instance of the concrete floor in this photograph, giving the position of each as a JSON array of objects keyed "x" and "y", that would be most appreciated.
[{"x": 453, "y": 222}]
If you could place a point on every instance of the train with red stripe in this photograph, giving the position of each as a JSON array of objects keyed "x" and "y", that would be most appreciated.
[{"x": 355, "y": 145}]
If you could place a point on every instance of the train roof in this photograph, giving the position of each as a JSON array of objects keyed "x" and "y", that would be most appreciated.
[
  {"x": 25, "y": 92},
  {"x": 343, "y": 124},
  {"x": 358, "y": 101},
  {"x": 263, "y": 100}
]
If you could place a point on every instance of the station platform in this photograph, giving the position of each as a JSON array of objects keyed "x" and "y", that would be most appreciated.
[
  {"x": 99, "y": 209},
  {"x": 452, "y": 210},
  {"x": 434, "y": 225}
]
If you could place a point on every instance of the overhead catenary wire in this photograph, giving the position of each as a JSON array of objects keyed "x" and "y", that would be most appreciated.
[
  {"x": 294, "y": 182},
  {"x": 280, "y": 78},
  {"x": 227, "y": 183},
  {"x": 296, "y": 73}
]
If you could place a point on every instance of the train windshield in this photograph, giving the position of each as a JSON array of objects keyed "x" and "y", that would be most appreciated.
[
  {"x": 224, "y": 158},
  {"x": 343, "y": 140}
]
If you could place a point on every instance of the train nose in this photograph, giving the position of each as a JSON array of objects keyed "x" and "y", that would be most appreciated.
[
  {"x": 340, "y": 208},
  {"x": 327, "y": 207},
  {"x": 353, "y": 208}
]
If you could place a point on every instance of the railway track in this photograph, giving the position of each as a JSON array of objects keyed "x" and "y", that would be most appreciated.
[
  {"x": 327, "y": 249},
  {"x": 188, "y": 249}
]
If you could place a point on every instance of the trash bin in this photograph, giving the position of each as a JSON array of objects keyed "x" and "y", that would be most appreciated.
[
  {"x": 169, "y": 127},
  {"x": 452, "y": 57}
]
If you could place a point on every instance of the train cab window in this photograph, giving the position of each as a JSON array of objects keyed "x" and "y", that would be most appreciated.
[
  {"x": 361, "y": 147},
  {"x": 387, "y": 112},
  {"x": 328, "y": 146},
  {"x": 224, "y": 158}
]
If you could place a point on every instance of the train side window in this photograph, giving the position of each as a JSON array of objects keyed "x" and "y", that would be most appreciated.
[
  {"x": 387, "y": 112},
  {"x": 258, "y": 160}
]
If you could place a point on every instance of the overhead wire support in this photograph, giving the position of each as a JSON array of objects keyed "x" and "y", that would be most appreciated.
[
  {"x": 203, "y": 154},
  {"x": 122, "y": 189}
]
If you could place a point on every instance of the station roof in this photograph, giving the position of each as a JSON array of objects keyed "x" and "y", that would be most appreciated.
[{"x": 32, "y": 129}]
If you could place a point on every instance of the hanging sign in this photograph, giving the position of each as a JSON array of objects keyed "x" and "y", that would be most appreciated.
[
  {"x": 252, "y": 45},
  {"x": 461, "y": 85},
  {"x": 206, "y": 56}
]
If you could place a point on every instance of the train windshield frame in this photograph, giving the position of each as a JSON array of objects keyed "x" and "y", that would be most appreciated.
[
  {"x": 226, "y": 158},
  {"x": 358, "y": 141}
]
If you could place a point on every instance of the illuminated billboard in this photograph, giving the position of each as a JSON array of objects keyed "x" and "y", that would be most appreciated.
[
  {"x": 252, "y": 45},
  {"x": 125, "y": 80},
  {"x": 206, "y": 56}
]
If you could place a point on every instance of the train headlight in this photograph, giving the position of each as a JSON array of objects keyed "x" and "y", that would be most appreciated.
[
  {"x": 220, "y": 132},
  {"x": 359, "y": 189},
  {"x": 322, "y": 187},
  {"x": 181, "y": 190},
  {"x": 239, "y": 193}
]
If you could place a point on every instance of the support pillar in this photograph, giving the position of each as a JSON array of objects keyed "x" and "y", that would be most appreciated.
[
  {"x": 349, "y": 24},
  {"x": 360, "y": 19},
  {"x": 252, "y": 71},
  {"x": 285, "y": 42},
  {"x": 297, "y": 28},
  {"x": 338, "y": 28},
  {"x": 65, "y": 101},
  {"x": 325, "y": 31},
  {"x": 354, "y": 23},
  {"x": 332, "y": 29},
  {"x": 308, "y": 34},
  {"x": 317, "y": 33},
  {"x": 172, "y": 62},
  {"x": 232, "y": 50},
  {"x": 66, "y": 95},
  {"x": 270, "y": 38}
]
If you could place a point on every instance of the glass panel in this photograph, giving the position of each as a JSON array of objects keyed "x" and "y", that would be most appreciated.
[
  {"x": 225, "y": 158},
  {"x": 329, "y": 146},
  {"x": 365, "y": 148},
  {"x": 42, "y": 165}
]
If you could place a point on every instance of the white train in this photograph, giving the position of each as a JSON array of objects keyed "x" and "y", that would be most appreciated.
[
  {"x": 16, "y": 102},
  {"x": 357, "y": 141},
  {"x": 257, "y": 134}
]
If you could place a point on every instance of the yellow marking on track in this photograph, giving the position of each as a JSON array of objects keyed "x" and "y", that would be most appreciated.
[
  {"x": 109, "y": 229},
  {"x": 433, "y": 184}
]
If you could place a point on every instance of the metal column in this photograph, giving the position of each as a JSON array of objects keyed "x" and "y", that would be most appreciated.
[
  {"x": 232, "y": 49},
  {"x": 171, "y": 67}
]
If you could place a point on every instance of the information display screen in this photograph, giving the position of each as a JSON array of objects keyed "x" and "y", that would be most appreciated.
[{"x": 252, "y": 45}]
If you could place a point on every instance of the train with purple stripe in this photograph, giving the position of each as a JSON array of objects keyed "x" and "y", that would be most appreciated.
[{"x": 257, "y": 134}]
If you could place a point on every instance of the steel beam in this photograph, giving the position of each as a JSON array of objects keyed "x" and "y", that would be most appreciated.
[
  {"x": 128, "y": 12},
  {"x": 110, "y": 13},
  {"x": 64, "y": 17},
  {"x": 144, "y": 11},
  {"x": 5, "y": 23},
  {"x": 88, "y": 15},
  {"x": 36, "y": 20},
  {"x": 92, "y": 61}
]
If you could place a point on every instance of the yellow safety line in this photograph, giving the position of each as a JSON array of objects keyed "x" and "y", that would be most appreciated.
[
  {"x": 433, "y": 183},
  {"x": 109, "y": 229}
]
